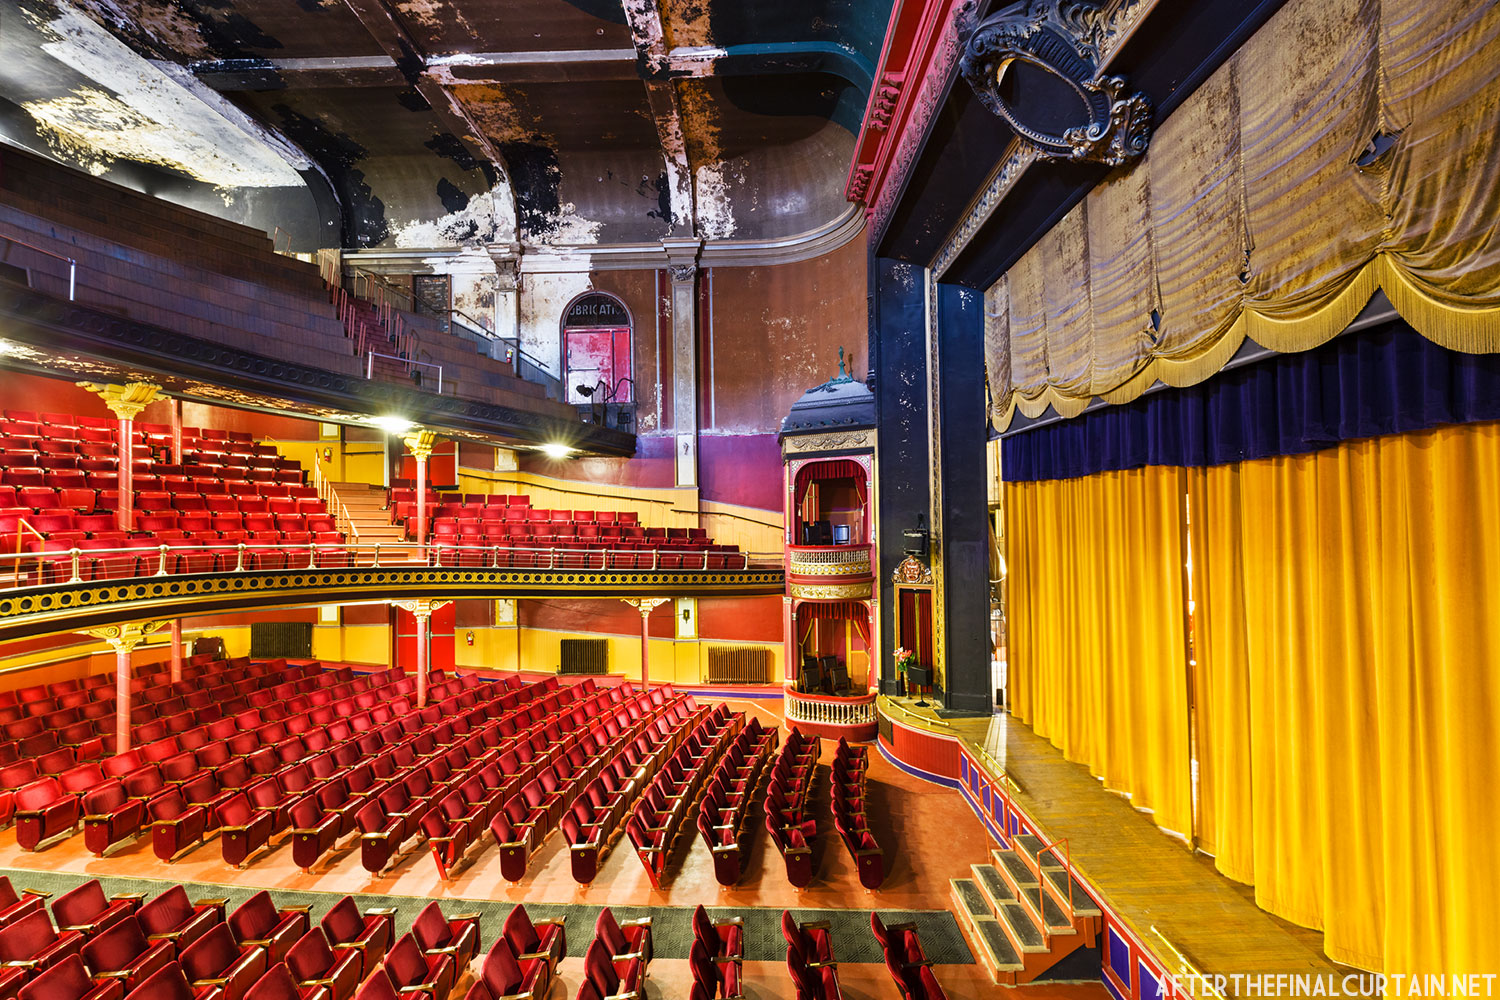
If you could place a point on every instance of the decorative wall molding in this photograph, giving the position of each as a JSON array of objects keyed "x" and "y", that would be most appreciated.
[
  {"x": 916, "y": 67},
  {"x": 803, "y": 444},
  {"x": 1061, "y": 39},
  {"x": 583, "y": 258},
  {"x": 1110, "y": 30}
]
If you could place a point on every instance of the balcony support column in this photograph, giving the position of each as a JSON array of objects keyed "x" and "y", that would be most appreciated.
[
  {"x": 125, "y": 401},
  {"x": 123, "y": 639}
]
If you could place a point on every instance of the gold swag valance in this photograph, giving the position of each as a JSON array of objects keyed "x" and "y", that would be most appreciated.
[{"x": 1347, "y": 147}]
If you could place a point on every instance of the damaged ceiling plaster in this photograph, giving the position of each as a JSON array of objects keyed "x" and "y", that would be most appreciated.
[{"x": 467, "y": 123}]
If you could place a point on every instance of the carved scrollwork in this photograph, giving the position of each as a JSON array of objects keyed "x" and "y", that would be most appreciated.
[{"x": 1054, "y": 48}]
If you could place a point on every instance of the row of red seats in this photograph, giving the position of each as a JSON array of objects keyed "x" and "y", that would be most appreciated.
[
  {"x": 105, "y": 559},
  {"x": 606, "y": 766},
  {"x": 810, "y": 959},
  {"x": 905, "y": 960},
  {"x": 47, "y": 805},
  {"x": 663, "y": 812},
  {"x": 351, "y": 757},
  {"x": 511, "y": 754},
  {"x": 250, "y": 798},
  {"x": 80, "y": 725},
  {"x": 849, "y": 815},
  {"x": 100, "y": 493},
  {"x": 102, "y": 473},
  {"x": 522, "y": 963},
  {"x": 724, "y": 811},
  {"x": 529, "y": 515},
  {"x": 717, "y": 956},
  {"x": 448, "y": 801},
  {"x": 633, "y": 555},
  {"x": 595, "y": 816},
  {"x": 616, "y": 961},
  {"x": 787, "y": 796}
]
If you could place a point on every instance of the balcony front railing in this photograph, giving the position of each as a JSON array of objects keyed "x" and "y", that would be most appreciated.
[
  {"x": 69, "y": 565},
  {"x": 828, "y": 710},
  {"x": 850, "y": 562}
]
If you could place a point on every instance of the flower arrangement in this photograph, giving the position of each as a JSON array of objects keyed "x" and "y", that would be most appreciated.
[{"x": 905, "y": 659}]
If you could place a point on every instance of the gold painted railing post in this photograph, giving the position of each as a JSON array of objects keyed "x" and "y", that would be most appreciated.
[
  {"x": 377, "y": 553},
  {"x": 74, "y": 553},
  {"x": 312, "y": 555},
  {"x": 239, "y": 562},
  {"x": 161, "y": 560}
]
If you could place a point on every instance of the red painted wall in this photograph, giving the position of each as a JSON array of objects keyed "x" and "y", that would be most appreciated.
[
  {"x": 440, "y": 639},
  {"x": 740, "y": 619}
]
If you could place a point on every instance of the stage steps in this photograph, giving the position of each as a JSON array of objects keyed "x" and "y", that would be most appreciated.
[{"x": 1016, "y": 914}]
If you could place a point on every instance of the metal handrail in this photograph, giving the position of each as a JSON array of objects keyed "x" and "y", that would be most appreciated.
[
  {"x": 153, "y": 561},
  {"x": 1041, "y": 884},
  {"x": 22, "y": 525},
  {"x": 370, "y": 366},
  {"x": 72, "y": 264}
]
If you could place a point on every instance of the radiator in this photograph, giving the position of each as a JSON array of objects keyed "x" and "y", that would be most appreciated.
[
  {"x": 584, "y": 656},
  {"x": 269, "y": 640},
  {"x": 739, "y": 665}
]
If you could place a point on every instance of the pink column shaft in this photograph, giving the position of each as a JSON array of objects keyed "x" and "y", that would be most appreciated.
[
  {"x": 421, "y": 660},
  {"x": 122, "y": 700},
  {"x": 645, "y": 647},
  {"x": 126, "y": 476},
  {"x": 421, "y": 500},
  {"x": 176, "y": 650}
]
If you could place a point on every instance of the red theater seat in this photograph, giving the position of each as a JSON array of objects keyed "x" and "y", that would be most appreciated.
[
  {"x": 216, "y": 960},
  {"x": 69, "y": 980},
  {"x": 257, "y": 921},
  {"x": 313, "y": 963},
  {"x": 121, "y": 951},
  {"x": 369, "y": 933}
]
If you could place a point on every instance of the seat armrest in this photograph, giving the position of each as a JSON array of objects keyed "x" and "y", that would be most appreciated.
[{"x": 45, "y": 894}]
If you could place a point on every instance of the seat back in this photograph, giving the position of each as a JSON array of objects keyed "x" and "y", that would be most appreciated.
[
  {"x": 80, "y": 906},
  {"x": 67, "y": 980},
  {"x": 276, "y": 984},
  {"x": 116, "y": 947},
  {"x": 310, "y": 957},
  {"x": 405, "y": 963},
  {"x": 211, "y": 955},
  {"x": 431, "y": 929},
  {"x": 501, "y": 974},
  {"x": 343, "y": 922},
  {"x": 26, "y": 937},
  {"x": 255, "y": 918}
]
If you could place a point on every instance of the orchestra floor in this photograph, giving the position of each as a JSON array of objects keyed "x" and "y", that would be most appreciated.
[{"x": 928, "y": 833}]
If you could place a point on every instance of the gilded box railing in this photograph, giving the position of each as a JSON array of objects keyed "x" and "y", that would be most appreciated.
[{"x": 829, "y": 711}]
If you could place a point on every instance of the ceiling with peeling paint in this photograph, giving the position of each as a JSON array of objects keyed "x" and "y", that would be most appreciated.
[{"x": 435, "y": 123}]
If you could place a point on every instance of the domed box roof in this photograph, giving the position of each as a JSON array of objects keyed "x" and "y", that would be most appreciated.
[{"x": 840, "y": 404}]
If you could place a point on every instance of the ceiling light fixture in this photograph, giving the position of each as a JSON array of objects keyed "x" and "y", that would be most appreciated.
[
  {"x": 393, "y": 425},
  {"x": 554, "y": 450}
]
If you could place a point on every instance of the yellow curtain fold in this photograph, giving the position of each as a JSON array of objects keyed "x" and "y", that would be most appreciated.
[
  {"x": 1097, "y": 658},
  {"x": 1345, "y": 632},
  {"x": 1346, "y": 148}
]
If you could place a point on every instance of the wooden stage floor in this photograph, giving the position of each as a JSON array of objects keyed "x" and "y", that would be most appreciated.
[{"x": 1146, "y": 876}]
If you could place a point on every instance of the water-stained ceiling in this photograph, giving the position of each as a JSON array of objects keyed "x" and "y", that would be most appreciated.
[{"x": 430, "y": 123}]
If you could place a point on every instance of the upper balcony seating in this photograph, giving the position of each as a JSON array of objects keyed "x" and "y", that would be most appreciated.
[{"x": 229, "y": 503}]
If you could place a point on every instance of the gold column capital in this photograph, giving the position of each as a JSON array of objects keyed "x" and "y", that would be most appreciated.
[
  {"x": 124, "y": 638},
  {"x": 421, "y": 608},
  {"x": 124, "y": 401},
  {"x": 645, "y": 605},
  {"x": 420, "y": 443}
]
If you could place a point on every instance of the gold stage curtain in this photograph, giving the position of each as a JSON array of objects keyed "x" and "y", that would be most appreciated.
[
  {"x": 1097, "y": 631},
  {"x": 1270, "y": 207},
  {"x": 1346, "y": 644}
]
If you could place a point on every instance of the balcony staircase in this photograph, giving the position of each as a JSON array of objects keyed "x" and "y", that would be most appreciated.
[
  {"x": 365, "y": 521},
  {"x": 1017, "y": 915}
]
